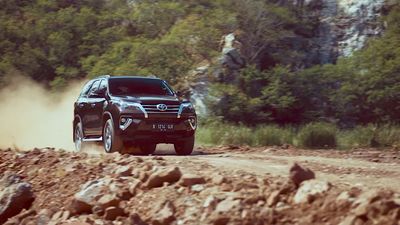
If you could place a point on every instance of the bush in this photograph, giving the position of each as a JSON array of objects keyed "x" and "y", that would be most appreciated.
[
  {"x": 314, "y": 135},
  {"x": 370, "y": 136},
  {"x": 273, "y": 135},
  {"x": 218, "y": 133},
  {"x": 317, "y": 135},
  {"x": 358, "y": 137},
  {"x": 388, "y": 136}
]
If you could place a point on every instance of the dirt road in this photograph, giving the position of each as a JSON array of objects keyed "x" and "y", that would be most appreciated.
[{"x": 219, "y": 185}]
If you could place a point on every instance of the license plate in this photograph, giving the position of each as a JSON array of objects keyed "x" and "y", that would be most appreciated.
[{"x": 163, "y": 127}]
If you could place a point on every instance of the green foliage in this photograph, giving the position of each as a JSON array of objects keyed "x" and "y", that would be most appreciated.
[
  {"x": 217, "y": 133},
  {"x": 313, "y": 135},
  {"x": 55, "y": 42},
  {"x": 358, "y": 137},
  {"x": 317, "y": 135},
  {"x": 270, "y": 135},
  {"x": 48, "y": 40},
  {"x": 387, "y": 135},
  {"x": 256, "y": 97}
]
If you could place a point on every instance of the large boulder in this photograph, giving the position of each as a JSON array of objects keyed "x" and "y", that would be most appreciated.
[
  {"x": 88, "y": 196},
  {"x": 169, "y": 175},
  {"x": 299, "y": 174},
  {"x": 311, "y": 189},
  {"x": 15, "y": 195},
  {"x": 189, "y": 180}
]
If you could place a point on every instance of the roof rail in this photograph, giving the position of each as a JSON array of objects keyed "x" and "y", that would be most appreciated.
[{"x": 104, "y": 76}]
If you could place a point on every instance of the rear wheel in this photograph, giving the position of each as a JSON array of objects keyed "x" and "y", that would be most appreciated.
[
  {"x": 185, "y": 147},
  {"x": 78, "y": 137},
  {"x": 111, "y": 141}
]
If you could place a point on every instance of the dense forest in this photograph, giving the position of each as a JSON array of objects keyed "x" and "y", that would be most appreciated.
[{"x": 57, "y": 41}]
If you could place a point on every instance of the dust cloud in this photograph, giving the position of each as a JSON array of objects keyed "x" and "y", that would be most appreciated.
[{"x": 31, "y": 116}]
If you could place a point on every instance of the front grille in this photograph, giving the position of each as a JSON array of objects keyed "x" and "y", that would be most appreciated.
[{"x": 153, "y": 109}]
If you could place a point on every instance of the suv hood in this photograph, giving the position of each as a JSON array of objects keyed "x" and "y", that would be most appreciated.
[{"x": 148, "y": 100}]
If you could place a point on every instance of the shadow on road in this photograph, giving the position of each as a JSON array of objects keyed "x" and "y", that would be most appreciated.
[{"x": 168, "y": 150}]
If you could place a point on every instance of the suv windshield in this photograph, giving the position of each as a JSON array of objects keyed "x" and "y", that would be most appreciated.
[{"x": 138, "y": 86}]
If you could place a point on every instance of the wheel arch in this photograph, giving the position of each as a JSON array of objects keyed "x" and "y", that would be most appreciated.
[{"x": 106, "y": 116}]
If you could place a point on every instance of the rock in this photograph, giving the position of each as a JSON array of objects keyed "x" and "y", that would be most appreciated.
[
  {"x": 197, "y": 188},
  {"x": 136, "y": 220},
  {"x": 44, "y": 216},
  {"x": 368, "y": 197},
  {"x": 111, "y": 213},
  {"x": 220, "y": 220},
  {"x": 344, "y": 198},
  {"x": 374, "y": 201},
  {"x": 273, "y": 198},
  {"x": 299, "y": 174},
  {"x": 87, "y": 197},
  {"x": 191, "y": 179},
  {"x": 24, "y": 215},
  {"x": 218, "y": 179},
  {"x": 166, "y": 215},
  {"x": 310, "y": 189},
  {"x": 350, "y": 220},
  {"x": 210, "y": 201},
  {"x": 108, "y": 200},
  {"x": 124, "y": 193},
  {"x": 134, "y": 186},
  {"x": 124, "y": 171},
  {"x": 227, "y": 205},
  {"x": 15, "y": 195},
  {"x": 170, "y": 175}
]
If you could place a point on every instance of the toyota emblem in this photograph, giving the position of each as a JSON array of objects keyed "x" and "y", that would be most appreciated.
[{"x": 162, "y": 107}]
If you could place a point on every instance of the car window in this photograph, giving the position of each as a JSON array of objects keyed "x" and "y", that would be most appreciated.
[
  {"x": 95, "y": 87},
  {"x": 103, "y": 85},
  {"x": 138, "y": 86},
  {"x": 86, "y": 88}
]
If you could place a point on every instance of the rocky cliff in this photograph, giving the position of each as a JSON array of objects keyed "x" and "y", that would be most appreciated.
[{"x": 345, "y": 25}]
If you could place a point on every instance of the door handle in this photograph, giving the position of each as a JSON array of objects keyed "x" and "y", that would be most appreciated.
[
  {"x": 93, "y": 105},
  {"x": 81, "y": 105}
]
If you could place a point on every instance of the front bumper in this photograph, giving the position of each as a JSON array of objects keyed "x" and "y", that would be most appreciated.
[{"x": 142, "y": 130}]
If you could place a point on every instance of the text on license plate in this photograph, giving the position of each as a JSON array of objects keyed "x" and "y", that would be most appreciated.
[{"x": 163, "y": 127}]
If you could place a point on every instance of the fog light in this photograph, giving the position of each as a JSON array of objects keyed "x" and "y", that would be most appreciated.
[
  {"x": 193, "y": 122},
  {"x": 124, "y": 123}
]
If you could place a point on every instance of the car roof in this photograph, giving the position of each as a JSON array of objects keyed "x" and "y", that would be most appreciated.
[{"x": 130, "y": 77}]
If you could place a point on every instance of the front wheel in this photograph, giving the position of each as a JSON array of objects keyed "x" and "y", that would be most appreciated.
[
  {"x": 185, "y": 147},
  {"x": 111, "y": 141},
  {"x": 78, "y": 137}
]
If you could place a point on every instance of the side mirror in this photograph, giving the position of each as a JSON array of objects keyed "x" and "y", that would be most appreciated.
[{"x": 179, "y": 93}]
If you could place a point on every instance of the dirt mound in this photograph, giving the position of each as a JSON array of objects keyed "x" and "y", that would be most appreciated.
[{"x": 76, "y": 188}]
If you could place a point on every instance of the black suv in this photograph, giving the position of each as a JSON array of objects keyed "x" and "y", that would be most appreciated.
[{"x": 124, "y": 111}]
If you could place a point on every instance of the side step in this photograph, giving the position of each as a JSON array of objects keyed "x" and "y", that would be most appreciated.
[{"x": 93, "y": 139}]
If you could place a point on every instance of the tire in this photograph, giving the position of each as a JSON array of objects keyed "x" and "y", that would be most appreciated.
[
  {"x": 147, "y": 149},
  {"x": 185, "y": 147},
  {"x": 78, "y": 137},
  {"x": 111, "y": 141}
]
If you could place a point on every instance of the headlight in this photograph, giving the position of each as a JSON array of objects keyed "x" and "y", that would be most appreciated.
[
  {"x": 185, "y": 107},
  {"x": 131, "y": 107}
]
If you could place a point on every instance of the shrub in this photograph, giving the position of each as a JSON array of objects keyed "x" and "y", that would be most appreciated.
[
  {"x": 358, "y": 137},
  {"x": 273, "y": 135},
  {"x": 388, "y": 136},
  {"x": 317, "y": 135},
  {"x": 237, "y": 135}
]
